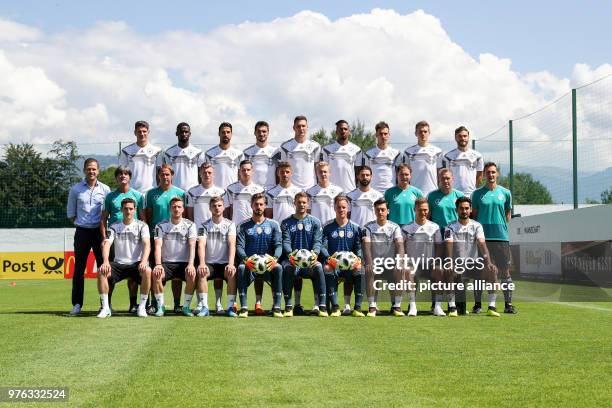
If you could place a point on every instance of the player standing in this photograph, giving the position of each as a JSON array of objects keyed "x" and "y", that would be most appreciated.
[
  {"x": 362, "y": 199},
  {"x": 263, "y": 156},
  {"x": 424, "y": 159},
  {"x": 402, "y": 197},
  {"x": 132, "y": 246},
  {"x": 142, "y": 158},
  {"x": 492, "y": 207},
  {"x": 465, "y": 163},
  {"x": 184, "y": 158},
  {"x": 281, "y": 198},
  {"x": 323, "y": 194},
  {"x": 342, "y": 157},
  {"x": 259, "y": 236},
  {"x": 382, "y": 159},
  {"x": 224, "y": 158},
  {"x": 302, "y": 153},
  {"x": 239, "y": 194}
]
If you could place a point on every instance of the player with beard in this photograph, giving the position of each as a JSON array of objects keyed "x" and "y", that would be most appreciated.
[
  {"x": 382, "y": 159},
  {"x": 465, "y": 163},
  {"x": 184, "y": 158},
  {"x": 224, "y": 158},
  {"x": 264, "y": 157},
  {"x": 342, "y": 157}
]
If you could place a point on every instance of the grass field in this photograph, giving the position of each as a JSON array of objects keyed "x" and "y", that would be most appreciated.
[{"x": 550, "y": 354}]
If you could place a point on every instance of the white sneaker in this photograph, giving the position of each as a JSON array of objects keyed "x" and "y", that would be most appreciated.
[
  {"x": 104, "y": 313},
  {"x": 142, "y": 311},
  {"x": 76, "y": 309},
  {"x": 438, "y": 311},
  {"x": 412, "y": 312}
]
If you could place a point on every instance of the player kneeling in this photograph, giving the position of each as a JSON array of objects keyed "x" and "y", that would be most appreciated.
[
  {"x": 302, "y": 237},
  {"x": 132, "y": 247},
  {"x": 216, "y": 251},
  {"x": 341, "y": 251},
  {"x": 258, "y": 245},
  {"x": 175, "y": 242}
]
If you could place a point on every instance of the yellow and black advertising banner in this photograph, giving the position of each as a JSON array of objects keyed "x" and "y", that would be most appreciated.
[{"x": 32, "y": 265}]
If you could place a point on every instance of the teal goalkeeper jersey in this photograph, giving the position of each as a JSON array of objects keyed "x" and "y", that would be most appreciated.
[
  {"x": 492, "y": 206},
  {"x": 401, "y": 204},
  {"x": 158, "y": 200},
  {"x": 442, "y": 207},
  {"x": 112, "y": 204}
]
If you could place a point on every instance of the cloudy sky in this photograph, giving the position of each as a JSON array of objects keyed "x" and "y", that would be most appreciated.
[{"x": 86, "y": 71}]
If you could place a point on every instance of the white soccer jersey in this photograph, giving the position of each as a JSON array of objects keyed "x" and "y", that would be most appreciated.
[
  {"x": 281, "y": 200},
  {"x": 128, "y": 240},
  {"x": 239, "y": 197},
  {"x": 362, "y": 205},
  {"x": 464, "y": 166},
  {"x": 185, "y": 163},
  {"x": 342, "y": 160},
  {"x": 143, "y": 162},
  {"x": 322, "y": 201},
  {"x": 383, "y": 163},
  {"x": 302, "y": 157},
  {"x": 225, "y": 163},
  {"x": 424, "y": 162},
  {"x": 420, "y": 240},
  {"x": 383, "y": 238},
  {"x": 198, "y": 198},
  {"x": 216, "y": 235},
  {"x": 175, "y": 246},
  {"x": 265, "y": 160},
  {"x": 464, "y": 238}
]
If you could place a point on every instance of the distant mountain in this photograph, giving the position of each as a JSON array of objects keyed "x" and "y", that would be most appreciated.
[{"x": 104, "y": 160}]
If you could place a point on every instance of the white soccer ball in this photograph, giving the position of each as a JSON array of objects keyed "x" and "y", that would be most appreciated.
[
  {"x": 345, "y": 259},
  {"x": 302, "y": 258},
  {"x": 260, "y": 266}
]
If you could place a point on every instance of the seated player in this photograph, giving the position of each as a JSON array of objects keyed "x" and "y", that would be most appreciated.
[
  {"x": 217, "y": 251},
  {"x": 259, "y": 236},
  {"x": 132, "y": 247},
  {"x": 302, "y": 231},
  {"x": 464, "y": 238},
  {"x": 342, "y": 235},
  {"x": 175, "y": 242}
]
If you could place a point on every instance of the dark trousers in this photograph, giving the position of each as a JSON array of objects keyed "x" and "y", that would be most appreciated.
[{"x": 85, "y": 239}]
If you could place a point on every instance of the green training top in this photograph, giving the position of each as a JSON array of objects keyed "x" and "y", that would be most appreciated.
[
  {"x": 401, "y": 204},
  {"x": 492, "y": 206},
  {"x": 442, "y": 207},
  {"x": 158, "y": 200},
  {"x": 112, "y": 204}
]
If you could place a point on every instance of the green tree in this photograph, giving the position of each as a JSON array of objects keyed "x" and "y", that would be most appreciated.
[
  {"x": 606, "y": 196},
  {"x": 362, "y": 138},
  {"x": 107, "y": 176},
  {"x": 526, "y": 190}
]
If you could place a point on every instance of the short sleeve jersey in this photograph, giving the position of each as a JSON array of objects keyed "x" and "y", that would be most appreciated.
[
  {"x": 491, "y": 206},
  {"x": 383, "y": 163},
  {"x": 239, "y": 197},
  {"x": 216, "y": 236},
  {"x": 442, "y": 207},
  {"x": 198, "y": 198},
  {"x": 464, "y": 238},
  {"x": 265, "y": 160},
  {"x": 424, "y": 162},
  {"x": 158, "y": 201},
  {"x": 112, "y": 204},
  {"x": 421, "y": 240},
  {"x": 338, "y": 238},
  {"x": 401, "y": 204},
  {"x": 258, "y": 239},
  {"x": 322, "y": 201},
  {"x": 301, "y": 234},
  {"x": 185, "y": 162},
  {"x": 226, "y": 164},
  {"x": 302, "y": 157},
  {"x": 342, "y": 160},
  {"x": 464, "y": 166},
  {"x": 143, "y": 162},
  {"x": 281, "y": 200},
  {"x": 362, "y": 205},
  {"x": 382, "y": 238},
  {"x": 175, "y": 239},
  {"x": 128, "y": 240}
]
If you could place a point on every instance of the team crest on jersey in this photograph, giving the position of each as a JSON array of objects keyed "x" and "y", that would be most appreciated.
[
  {"x": 349, "y": 234},
  {"x": 300, "y": 226},
  {"x": 437, "y": 201},
  {"x": 341, "y": 234},
  {"x": 259, "y": 230},
  {"x": 307, "y": 227},
  {"x": 268, "y": 230},
  {"x": 500, "y": 196},
  {"x": 335, "y": 234}
]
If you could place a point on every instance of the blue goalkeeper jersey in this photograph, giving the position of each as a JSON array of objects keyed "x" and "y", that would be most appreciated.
[
  {"x": 258, "y": 239},
  {"x": 345, "y": 238},
  {"x": 301, "y": 234}
]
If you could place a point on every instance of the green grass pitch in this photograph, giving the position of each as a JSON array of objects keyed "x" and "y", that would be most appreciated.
[{"x": 550, "y": 354}]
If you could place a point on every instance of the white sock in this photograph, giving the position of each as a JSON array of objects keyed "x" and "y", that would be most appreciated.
[
  {"x": 143, "y": 300},
  {"x": 187, "y": 301},
  {"x": 412, "y": 305},
  {"x": 298, "y": 297},
  {"x": 347, "y": 302},
  {"x": 397, "y": 302},
  {"x": 231, "y": 299},
  {"x": 372, "y": 302},
  {"x": 202, "y": 299},
  {"x": 491, "y": 297},
  {"x": 451, "y": 300},
  {"x": 104, "y": 299},
  {"x": 258, "y": 299},
  {"x": 412, "y": 297},
  {"x": 160, "y": 299},
  {"x": 218, "y": 295}
]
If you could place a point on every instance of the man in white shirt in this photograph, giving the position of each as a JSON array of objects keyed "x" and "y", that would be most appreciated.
[
  {"x": 142, "y": 158},
  {"x": 323, "y": 194},
  {"x": 263, "y": 156},
  {"x": 424, "y": 159},
  {"x": 362, "y": 199},
  {"x": 382, "y": 159},
  {"x": 224, "y": 158},
  {"x": 466, "y": 164},
  {"x": 198, "y": 197},
  {"x": 184, "y": 159},
  {"x": 281, "y": 197},
  {"x": 239, "y": 194},
  {"x": 342, "y": 157},
  {"x": 302, "y": 153}
]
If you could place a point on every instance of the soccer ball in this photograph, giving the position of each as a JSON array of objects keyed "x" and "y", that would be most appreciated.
[
  {"x": 260, "y": 266},
  {"x": 302, "y": 258},
  {"x": 345, "y": 259}
]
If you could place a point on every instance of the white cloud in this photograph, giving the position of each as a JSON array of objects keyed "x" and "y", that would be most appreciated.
[{"x": 93, "y": 84}]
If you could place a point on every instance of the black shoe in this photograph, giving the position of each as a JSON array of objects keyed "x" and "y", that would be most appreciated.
[
  {"x": 133, "y": 309},
  {"x": 346, "y": 312},
  {"x": 289, "y": 309},
  {"x": 178, "y": 309},
  {"x": 477, "y": 308},
  {"x": 151, "y": 310},
  {"x": 510, "y": 309},
  {"x": 298, "y": 310}
]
